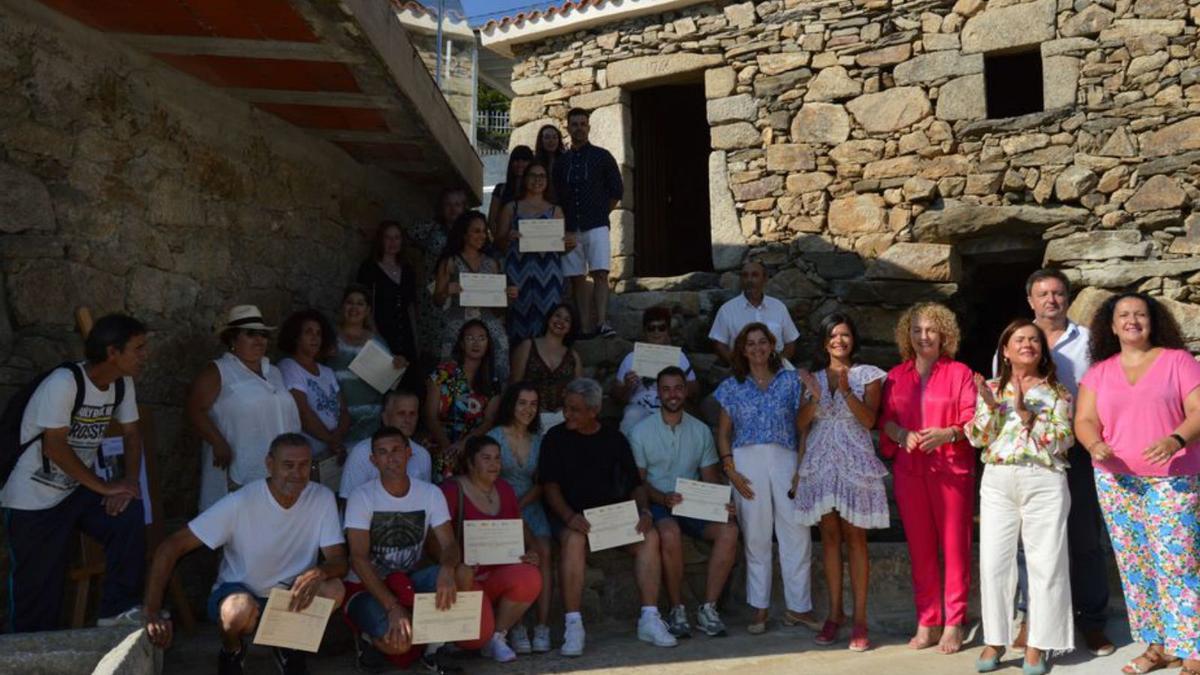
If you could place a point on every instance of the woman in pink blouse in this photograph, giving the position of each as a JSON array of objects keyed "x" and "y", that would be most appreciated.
[
  {"x": 927, "y": 400},
  {"x": 1139, "y": 418}
]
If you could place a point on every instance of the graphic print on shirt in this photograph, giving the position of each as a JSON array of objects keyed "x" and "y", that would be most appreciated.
[
  {"x": 87, "y": 430},
  {"x": 324, "y": 399},
  {"x": 397, "y": 540}
]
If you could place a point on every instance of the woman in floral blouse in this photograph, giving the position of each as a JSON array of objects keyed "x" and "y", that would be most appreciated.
[
  {"x": 461, "y": 396},
  {"x": 1023, "y": 424}
]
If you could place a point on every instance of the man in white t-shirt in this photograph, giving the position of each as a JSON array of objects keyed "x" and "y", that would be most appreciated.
[
  {"x": 402, "y": 410},
  {"x": 272, "y": 530},
  {"x": 638, "y": 390},
  {"x": 54, "y": 489},
  {"x": 387, "y": 522},
  {"x": 750, "y": 306}
]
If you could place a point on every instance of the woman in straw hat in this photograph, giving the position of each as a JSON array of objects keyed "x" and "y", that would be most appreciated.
[{"x": 238, "y": 404}]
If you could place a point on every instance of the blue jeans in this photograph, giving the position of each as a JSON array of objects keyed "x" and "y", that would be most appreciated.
[{"x": 369, "y": 616}]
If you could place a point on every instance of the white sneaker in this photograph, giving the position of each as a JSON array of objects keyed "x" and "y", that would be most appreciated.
[
  {"x": 573, "y": 639},
  {"x": 518, "y": 638},
  {"x": 130, "y": 617},
  {"x": 651, "y": 628},
  {"x": 709, "y": 621},
  {"x": 497, "y": 648},
  {"x": 541, "y": 638}
]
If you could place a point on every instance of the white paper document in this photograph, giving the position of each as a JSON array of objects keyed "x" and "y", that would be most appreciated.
[
  {"x": 542, "y": 235},
  {"x": 373, "y": 365},
  {"x": 703, "y": 501},
  {"x": 650, "y": 359},
  {"x": 460, "y": 622},
  {"x": 329, "y": 473},
  {"x": 112, "y": 449},
  {"x": 482, "y": 290},
  {"x": 493, "y": 542},
  {"x": 301, "y": 630},
  {"x": 613, "y": 525}
]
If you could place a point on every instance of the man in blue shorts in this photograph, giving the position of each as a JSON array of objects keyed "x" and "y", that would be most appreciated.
[{"x": 670, "y": 445}]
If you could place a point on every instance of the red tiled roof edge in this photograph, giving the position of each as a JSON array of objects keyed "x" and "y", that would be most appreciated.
[{"x": 521, "y": 17}]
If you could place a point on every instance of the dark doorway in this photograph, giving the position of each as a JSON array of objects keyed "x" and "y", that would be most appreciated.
[
  {"x": 991, "y": 294},
  {"x": 1014, "y": 84},
  {"x": 670, "y": 181}
]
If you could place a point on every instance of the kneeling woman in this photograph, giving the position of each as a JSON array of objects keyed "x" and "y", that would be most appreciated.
[
  {"x": 479, "y": 493},
  {"x": 1023, "y": 424}
]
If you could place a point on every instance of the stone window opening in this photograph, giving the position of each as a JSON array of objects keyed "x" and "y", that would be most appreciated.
[{"x": 1013, "y": 83}]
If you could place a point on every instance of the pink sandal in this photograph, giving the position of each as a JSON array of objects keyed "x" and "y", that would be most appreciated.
[
  {"x": 828, "y": 634},
  {"x": 858, "y": 639}
]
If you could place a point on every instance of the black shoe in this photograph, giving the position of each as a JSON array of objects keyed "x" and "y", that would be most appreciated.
[
  {"x": 433, "y": 663},
  {"x": 230, "y": 663},
  {"x": 289, "y": 661},
  {"x": 369, "y": 659}
]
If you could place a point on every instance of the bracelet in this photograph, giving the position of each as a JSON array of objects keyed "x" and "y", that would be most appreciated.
[{"x": 1182, "y": 442}]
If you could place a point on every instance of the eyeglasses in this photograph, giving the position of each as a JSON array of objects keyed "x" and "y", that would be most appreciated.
[
  {"x": 536, "y": 176},
  {"x": 657, "y": 328},
  {"x": 475, "y": 339}
]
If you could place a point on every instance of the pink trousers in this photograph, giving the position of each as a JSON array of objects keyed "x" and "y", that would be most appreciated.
[{"x": 936, "y": 510}]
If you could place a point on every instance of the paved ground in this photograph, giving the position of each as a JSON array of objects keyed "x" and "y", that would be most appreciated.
[{"x": 782, "y": 650}]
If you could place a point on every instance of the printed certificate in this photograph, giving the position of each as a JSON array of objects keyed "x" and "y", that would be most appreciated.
[
  {"x": 703, "y": 501},
  {"x": 373, "y": 365},
  {"x": 613, "y": 525},
  {"x": 493, "y": 542},
  {"x": 483, "y": 290},
  {"x": 650, "y": 359},
  {"x": 542, "y": 235},
  {"x": 303, "y": 630},
  {"x": 460, "y": 622}
]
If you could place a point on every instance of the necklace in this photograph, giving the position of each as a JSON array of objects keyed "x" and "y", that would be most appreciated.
[{"x": 490, "y": 496}]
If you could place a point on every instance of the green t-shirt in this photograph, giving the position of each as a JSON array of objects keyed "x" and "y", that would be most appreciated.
[{"x": 667, "y": 454}]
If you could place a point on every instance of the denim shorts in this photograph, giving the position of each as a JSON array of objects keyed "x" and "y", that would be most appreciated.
[
  {"x": 368, "y": 615},
  {"x": 692, "y": 527}
]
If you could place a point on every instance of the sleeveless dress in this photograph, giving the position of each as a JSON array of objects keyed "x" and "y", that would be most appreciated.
[
  {"x": 522, "y": 478},
  {"x": 457, "y": 315},
  {"x": 540, "y": 280},
  {"x": 250, "y": 411},
  {"x": 362, "y": 401},
  {"x": 551, "y": 383},
  {"x": 840, "y": 470},
  {"x": 430, "y": 236}
]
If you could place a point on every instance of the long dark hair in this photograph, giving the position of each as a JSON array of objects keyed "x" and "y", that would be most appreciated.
[
  {"x": 484, "y": 381},
  {"x": 1045, "y": 366},
  {"x": 541, "y": 153},
  {"x": 377, "y": 240},
  {"x": 519, "y": 154},
  {"x": 573, "y": 334},
  {"x": 1164, "y": 330},
  {"x": 524, "y": 190},
  {"x": 456, "y": 239},
  {"x": 741, "y": 367},
  {"x": 820, "y": 360},
  {"x": 506, "y": 414}
]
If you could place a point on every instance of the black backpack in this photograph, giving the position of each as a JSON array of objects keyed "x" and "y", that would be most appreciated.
[{"x": 11, "y": 447}]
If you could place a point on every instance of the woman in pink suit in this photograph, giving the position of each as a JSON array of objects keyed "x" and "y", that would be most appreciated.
[{"x": 927, "y": 400}]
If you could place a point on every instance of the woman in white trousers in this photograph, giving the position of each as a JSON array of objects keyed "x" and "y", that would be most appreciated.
[
  {"x": 1023, "y": 424},
  {"x": 756, "y": 441}
]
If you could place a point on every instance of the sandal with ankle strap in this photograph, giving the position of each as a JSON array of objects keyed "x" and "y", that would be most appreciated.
[{"x": 1158, "y": 660}]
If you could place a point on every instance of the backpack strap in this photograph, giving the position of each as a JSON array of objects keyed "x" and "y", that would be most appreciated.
[{"x": 80, "y": 392}]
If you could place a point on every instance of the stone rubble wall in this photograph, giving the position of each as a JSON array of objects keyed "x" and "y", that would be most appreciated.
[
  {"x": 850, "y": 149},
  {"x": 127, "y": 186}
]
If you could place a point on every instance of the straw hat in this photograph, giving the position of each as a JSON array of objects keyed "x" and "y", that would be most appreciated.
[{"x": 245, "y": 317}]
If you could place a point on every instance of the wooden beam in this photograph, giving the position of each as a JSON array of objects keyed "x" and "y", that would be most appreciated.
[
  {"x": 330, "y": 99},
  {"x": 350, "y": 136},
  {"x": 253, "y": 49}
]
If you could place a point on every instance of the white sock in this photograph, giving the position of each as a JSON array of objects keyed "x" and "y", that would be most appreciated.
[
  {"x": 649, "y": 611},
  {"x": 574, "y": 617},
  {"x": 500, "y": 635}
]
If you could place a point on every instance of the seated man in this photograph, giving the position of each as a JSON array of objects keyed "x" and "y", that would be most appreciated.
[
  {"x": 401, "y": 409},
  {"x": 637, "y": 390},
  {"x": 387, "y": 522},
  {"x": 584, "y": 465},
  {"x": 271, "y": 530},
  {"x": 668, "y": 445},
  {"x": 53, "y": 489}
]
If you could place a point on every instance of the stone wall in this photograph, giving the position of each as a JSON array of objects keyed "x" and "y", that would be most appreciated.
[
  {"x": 850, "y": 148},
  {"x": 125, "y": 186}
]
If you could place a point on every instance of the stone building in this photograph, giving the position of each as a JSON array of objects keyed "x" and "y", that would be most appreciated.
[
  {"x": 172, "y": 159},
  {"x": 875, "y": 153}
]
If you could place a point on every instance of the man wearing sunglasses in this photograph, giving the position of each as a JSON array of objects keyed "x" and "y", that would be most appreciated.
[{"x": 637, "y": 390}]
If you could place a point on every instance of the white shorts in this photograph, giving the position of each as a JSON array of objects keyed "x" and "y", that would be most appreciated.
[{"x": 592, "y": 253}]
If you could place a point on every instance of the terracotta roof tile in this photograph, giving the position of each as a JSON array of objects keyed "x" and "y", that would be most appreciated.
[{"x": 550, "y": 12}]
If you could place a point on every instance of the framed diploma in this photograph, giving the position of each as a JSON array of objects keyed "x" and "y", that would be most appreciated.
[
  {"x": 493, "y": 542},
  {"x": 542, "y": 235},
  {"x": 482, "y": 290},
  {"x": 703, "y": 501},
  {"x": 460, "y": 622},
  {"x": 613, "y": 525}
]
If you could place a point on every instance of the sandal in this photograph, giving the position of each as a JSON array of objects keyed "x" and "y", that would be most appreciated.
[
  {"x": 858, "y": 639},
  {"x": 828, "y": 634},
  {"x": 791, "y": 618},
  {"x": 1156, "y": 659}
]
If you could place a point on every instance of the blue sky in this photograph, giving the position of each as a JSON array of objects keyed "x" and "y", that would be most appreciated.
[{"x": 481, "y": 11}]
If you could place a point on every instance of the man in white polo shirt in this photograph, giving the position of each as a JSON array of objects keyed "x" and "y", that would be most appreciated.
[
  {"x": 749, "y": 306},
  {"x": 271, "y": 530},
  {"x": 402, "y": 410}
]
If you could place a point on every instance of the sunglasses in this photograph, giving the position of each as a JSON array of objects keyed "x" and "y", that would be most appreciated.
[
  {"x": 656, "y": 328},
  {"x": 257, "y": 333}
]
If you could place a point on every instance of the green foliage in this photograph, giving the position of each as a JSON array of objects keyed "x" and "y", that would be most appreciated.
[{"x": 490, "y": 99}]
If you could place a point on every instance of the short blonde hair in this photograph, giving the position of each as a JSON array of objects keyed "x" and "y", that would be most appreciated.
[{"x": 943, "y": 320}]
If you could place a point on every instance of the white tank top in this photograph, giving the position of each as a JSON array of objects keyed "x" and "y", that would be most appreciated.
[{"x": 251, "y": 411}]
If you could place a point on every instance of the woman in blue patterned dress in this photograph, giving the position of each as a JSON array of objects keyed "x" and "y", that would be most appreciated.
[
  {"x": 538, "y": 276},
  {"x": 518, "y": 432},
  {"x": 756, "y": 442}
]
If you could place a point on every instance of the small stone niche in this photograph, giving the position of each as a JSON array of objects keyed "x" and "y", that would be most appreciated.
[{"x": 1013, "y": 82}]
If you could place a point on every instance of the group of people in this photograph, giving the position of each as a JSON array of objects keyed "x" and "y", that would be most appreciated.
[{"x": 1075, "y": 425}]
